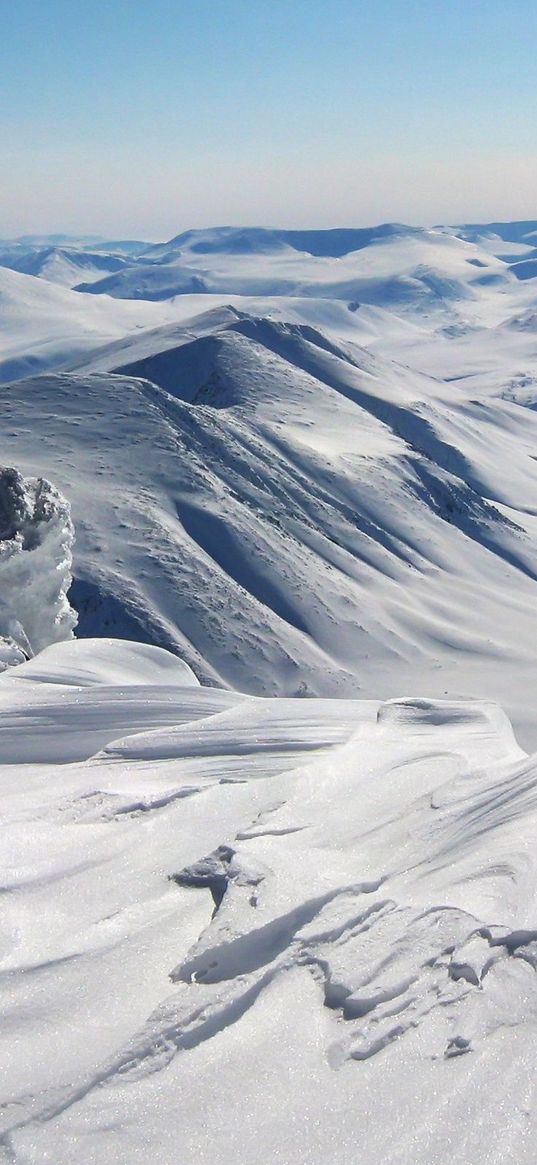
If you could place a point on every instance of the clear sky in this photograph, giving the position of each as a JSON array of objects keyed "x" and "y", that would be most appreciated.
[{"x": 139, "y": 118}]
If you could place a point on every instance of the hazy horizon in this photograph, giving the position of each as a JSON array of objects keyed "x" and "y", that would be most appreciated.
[{"x": 88, "y": 236}]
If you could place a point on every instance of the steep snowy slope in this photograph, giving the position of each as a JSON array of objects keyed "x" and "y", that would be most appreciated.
[
  {"x": 264, "y": 930},
  {"x": 150, "y": 342}
]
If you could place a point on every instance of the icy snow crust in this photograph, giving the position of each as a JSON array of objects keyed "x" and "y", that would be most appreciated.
[
  {"x": 36, "y": 538},
  {"x": 260, "y": 929}
]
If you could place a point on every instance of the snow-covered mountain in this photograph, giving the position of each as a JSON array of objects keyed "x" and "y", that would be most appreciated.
[
  {"x": 66, "y": 260},
  {"x": 60, "y": 264},
  {"x": 396, "y": 265},
  {"x": 298, "y": 508},
  {"x": 45, "y": 326},
  {"x": 299, "y": 464}
]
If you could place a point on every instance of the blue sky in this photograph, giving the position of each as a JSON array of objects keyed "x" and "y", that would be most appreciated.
[{"x": 140, "y": 119}]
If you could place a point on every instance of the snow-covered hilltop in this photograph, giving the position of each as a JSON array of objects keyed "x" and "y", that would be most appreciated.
[
  {"x": 316, "y": 476},
  {"x": 239, "y": 923}
]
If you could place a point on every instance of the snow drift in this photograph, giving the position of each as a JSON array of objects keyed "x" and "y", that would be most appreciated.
[
  {"x": 36, "y": 538},
  {"x": 260, "y": 929}
]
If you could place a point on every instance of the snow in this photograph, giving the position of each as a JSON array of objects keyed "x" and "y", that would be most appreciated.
[
  {"x": 325, "y": 902},
  {"x": 237, "y": 922},
  {"x": 47, "y": 326},
  {"x": 405, "y": 267},
  {"x": 36, "y": 538},
  {"x": 61, "y": 265},
  {"x": 292, "y": 512}
]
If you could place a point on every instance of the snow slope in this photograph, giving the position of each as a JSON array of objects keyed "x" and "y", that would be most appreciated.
[
  {"x": 63, "y": 265},
  {"x": 293, "y": 514},
  {"x": 271, "y": 930},
  {"x": 46, "y": 326}
]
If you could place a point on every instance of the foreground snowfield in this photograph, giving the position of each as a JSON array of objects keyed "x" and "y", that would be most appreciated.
[{"x": 260, "y": 929}]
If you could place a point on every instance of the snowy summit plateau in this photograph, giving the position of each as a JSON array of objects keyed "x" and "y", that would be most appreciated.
[{"x": 268, "y": 713}]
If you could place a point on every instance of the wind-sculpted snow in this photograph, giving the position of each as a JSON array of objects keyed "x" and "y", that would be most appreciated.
[
  {"x": 261, "y": 929},
  {"x": 36, "y": 538}
]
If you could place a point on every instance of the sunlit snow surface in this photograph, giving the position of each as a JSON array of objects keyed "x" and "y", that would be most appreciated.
[
  {"x": 259, "y": 929},
  {"x": 253, "y": 929},
  {"x": 296, "y": 497}
]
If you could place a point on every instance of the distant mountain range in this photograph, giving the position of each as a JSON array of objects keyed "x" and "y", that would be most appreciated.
[{"x": 194, "y": 260}]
